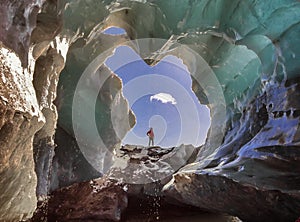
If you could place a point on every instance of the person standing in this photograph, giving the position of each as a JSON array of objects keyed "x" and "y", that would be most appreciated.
[{"x": 150, "y": 134}]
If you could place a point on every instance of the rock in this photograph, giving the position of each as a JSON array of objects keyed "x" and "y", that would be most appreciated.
[
  {"x": 69, "y": 165},
  {"x": 20, "y": 119},
  {"x": 145, "y": 170},
  {"x": 47, "y": 70},
  {"x": 27, "y": 90},
  {"x": 218, "y": 193},
  {"x": 97, "y": 200},
  {"x": 18, "y": 19},
  {"x": 157, "y": 209},
  {"x": 104, "y": 200}
]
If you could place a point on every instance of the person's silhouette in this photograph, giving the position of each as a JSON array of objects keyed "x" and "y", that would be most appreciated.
[{"x": 150, "y": 134}]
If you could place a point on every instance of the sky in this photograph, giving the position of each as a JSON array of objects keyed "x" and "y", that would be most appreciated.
[
  {"x": 161, "y": 97},
  {"x": 114, "y": 31}
]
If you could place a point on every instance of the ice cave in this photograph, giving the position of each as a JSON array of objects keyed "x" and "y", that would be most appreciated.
[{"x": 64, "y": 114}]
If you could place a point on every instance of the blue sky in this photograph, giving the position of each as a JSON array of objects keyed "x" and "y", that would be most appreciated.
[
  {"x": 160, "y": 97},
  {"x": 114, "y": 31}
]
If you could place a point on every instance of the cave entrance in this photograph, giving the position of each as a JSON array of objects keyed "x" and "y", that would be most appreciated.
[
  {"x": 161, "y": 97},
  {"x": 114, "y": 30}
]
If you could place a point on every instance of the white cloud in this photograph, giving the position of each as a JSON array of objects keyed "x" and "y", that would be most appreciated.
[{"x": 164, "y": 98}]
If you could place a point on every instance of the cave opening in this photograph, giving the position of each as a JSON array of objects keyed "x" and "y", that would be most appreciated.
[
  {"x": 114, "y": 30},
  {"x": 161, "y": 96}
]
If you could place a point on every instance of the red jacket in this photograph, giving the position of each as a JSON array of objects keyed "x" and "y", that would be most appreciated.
[{"x": 150, "y": 133}]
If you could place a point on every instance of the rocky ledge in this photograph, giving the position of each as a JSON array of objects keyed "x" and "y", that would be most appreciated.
[{"x": 110, "y": 198}]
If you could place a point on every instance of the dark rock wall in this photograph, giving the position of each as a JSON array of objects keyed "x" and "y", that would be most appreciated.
[
  {"x": 47, "y": 70},
  {"x": 30, "y": 69},
  {"x": 18, "y": 19},
  {"x": 98, "y": 200},
  {"x": 69, "y": 165},
  {"x": 20, "y": 115}
]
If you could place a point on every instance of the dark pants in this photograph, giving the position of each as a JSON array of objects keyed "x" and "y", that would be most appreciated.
[{"x": 151, "y": 140}]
